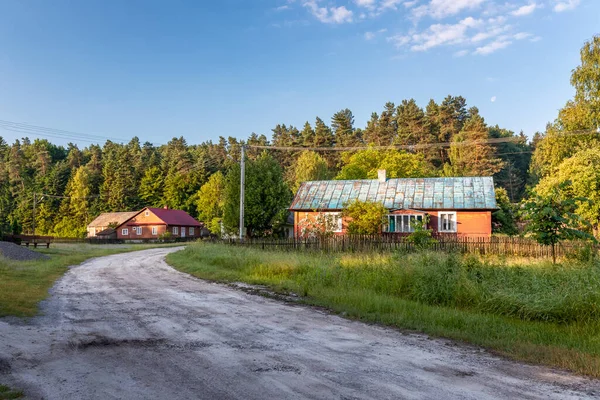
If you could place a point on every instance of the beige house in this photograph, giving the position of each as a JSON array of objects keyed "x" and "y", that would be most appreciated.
[{"x": 108, "y": 220}]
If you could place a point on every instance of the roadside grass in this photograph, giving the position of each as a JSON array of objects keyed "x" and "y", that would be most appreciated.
[
  {"x": 23, "y": 284},
  {"x": 7, "y": 393},
  {"x": 530, "y": 310}
]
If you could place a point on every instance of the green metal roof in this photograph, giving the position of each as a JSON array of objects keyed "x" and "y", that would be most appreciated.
[{"x": 471, "y": 193}]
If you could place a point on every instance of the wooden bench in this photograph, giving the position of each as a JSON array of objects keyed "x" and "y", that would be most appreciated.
[{"x": 35, "y": 240}]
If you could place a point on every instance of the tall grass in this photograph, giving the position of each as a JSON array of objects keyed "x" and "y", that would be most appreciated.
[{"x": 529, "y": 309}]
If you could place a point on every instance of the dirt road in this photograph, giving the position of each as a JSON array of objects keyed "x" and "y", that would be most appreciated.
[{"x": 129, "y": 327}]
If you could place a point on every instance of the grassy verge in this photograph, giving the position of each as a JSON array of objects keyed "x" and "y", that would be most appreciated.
[
  {"x": 23, "y": 284},
  {"x": 528, "y": 310},
  {"x": 7, "y": 393}
]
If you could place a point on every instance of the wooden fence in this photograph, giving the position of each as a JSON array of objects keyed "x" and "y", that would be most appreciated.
[
  {"x": 509, "y": 246},
  {"x": 29, "y": 239}
]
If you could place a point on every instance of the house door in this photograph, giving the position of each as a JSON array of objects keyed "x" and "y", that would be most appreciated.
[{"x": 183, "y": 231}]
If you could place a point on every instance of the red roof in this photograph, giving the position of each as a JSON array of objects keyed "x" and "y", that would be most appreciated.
[{"x": 174, "y": 217}]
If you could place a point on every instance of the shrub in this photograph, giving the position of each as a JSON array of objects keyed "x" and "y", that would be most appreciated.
[{"x": 421, "y": 238}]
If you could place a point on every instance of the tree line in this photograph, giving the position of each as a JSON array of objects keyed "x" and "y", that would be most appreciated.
[{"x": 203, "y": 179}]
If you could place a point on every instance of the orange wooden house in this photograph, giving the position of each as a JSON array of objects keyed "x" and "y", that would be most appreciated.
[{"x": 460, "y": 206}]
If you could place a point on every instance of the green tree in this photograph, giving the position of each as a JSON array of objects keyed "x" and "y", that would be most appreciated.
[
  {"x": 307, "y": 135},
  {"x": 581, "y": 113},
  {"x": 411, "y": 124},
  {"x": 504, "y": 219},
  {"x": 583, "y": 171},
  {"x": 266, "y": 194},
  {"x": 342, "y": 123},
  {"x": 310, "y": 167},
  {"x": 74, "y": 211},
  {"x": 183, "y": 175},
  {"x": 398, "y": 164},
  {"x": 151, "y": 187},
  {"x": 365, "y": 217},
  {"x": 473, "y": 159},
  {"x": 210, "y": 203},
  {"x": 118, "y": 189},
  {"x": 516, "y": 158},
  {"x": 552, "y": 219},
  {"x": 586, "y": 81}
]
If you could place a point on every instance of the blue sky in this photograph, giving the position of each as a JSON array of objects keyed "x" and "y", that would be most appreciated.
[{"x": 202, "y": 69}]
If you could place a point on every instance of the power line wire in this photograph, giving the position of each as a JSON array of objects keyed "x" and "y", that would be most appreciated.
[
  {"x": 33, "y": 129},
  {"x": 67, "y": 197}
]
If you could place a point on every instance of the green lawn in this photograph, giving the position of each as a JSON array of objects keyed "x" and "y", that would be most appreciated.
[
  {"x": 7, "y": 393},
  {"x": 23, "y": 284},
  {"x": 525, "y": 309}
]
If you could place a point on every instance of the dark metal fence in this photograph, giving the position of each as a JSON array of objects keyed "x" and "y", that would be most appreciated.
[{"x": 509, "y": 246}]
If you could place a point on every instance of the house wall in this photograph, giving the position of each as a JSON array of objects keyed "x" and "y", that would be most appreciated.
[
  {"x": 146, "y": 222},
  {"x": 306, "y": 219},
  {"x": 93, "y": 230},
  {"x": 469, "y": 223}
]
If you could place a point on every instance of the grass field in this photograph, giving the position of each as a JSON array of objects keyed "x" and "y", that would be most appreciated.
[
  {"x": 23, "y": 284},
  {"x": 8, "y": 393},
  {"x": 526, "y": 309}
]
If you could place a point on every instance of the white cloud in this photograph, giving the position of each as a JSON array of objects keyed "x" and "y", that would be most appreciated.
[
  {"x": 444, "y": 8},
  {"x": 493, "y": 99},
  {"x": 369, "y": 36},
  {"x": 282, "y": 8},
  {"x": 535, "y": 39},
  {"x": 409, "y": 4},
  {"x": 566, "y": 5},
  {"x": 492, "y": 47},
  {"x": 491, "y": 32},
  {"x": 331, "y": 15},
  {"x": 389, "y": 4},
  {"x": 461, "y": 53},
  {"x": 437, "y": 35},
  {"x": 524, "y": 10},
  {"x": 522, "y": 35},
  {"x": 365, "y": 3}
]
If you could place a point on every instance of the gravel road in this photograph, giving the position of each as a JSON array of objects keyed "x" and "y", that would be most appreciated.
[{"x": 128, "y": 326}]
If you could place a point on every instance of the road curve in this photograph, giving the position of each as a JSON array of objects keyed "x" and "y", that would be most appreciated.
[{"x": 128, "y": 326}]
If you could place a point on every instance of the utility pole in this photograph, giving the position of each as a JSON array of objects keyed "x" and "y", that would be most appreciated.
[
  {"x": 242, "y": 183},
  {"x": 34, "y": 204}
]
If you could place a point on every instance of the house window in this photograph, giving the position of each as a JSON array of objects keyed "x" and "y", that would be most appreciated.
[
  {"x": 402, "y": 223},
  {"x": 147, "y": 213},
  {"x": 191, "y": 231},
  {"x": 175, "y": 230},
  {"x": 154, "y": 230},
  {"x": 334, "y": 220},
  {"x": 138, "y": 230},
  {"x": 447, "y": 222},
  {"x": 125, "y": 232}
]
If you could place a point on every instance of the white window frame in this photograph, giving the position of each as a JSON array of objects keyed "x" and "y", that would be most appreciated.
[
  {"x": 191, "y": 231},
  {"x": 403, "y": 223},
  {"x": 337, "y": 220},
  {"x": 138, "y": 230},
  {"x": 454, "y": 228},
  {"x": 175, "y": 230},
  {"x": 147, "y": 213},
  {"x": 154, "y": 230},
  {"x": 125, "y": 232}
]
